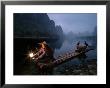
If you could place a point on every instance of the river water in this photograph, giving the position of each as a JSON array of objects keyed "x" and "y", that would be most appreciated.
[
  {"x": 70, "y": 45},
  {"x": 23, "y": 66}
]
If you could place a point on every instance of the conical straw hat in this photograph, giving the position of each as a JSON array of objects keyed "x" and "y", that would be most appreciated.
[{"x": 43, "y": 43}]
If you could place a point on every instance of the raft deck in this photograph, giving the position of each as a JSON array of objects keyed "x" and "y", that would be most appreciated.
[{"x": 63, "y": 58}]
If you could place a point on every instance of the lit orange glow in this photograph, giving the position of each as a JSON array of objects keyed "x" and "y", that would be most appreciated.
[
  {"x": 31, "y": 54},
  {"x": 33, "y": 58},
  {"x": 43, "y": 46}
]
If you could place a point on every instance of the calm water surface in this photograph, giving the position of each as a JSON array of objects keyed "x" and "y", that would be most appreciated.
[
  {"x": 22, "y": 67},
  {"x": 68, "y": 46}
]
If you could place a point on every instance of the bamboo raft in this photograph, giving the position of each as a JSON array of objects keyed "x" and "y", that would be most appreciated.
[{"x": 62, "y": 59}]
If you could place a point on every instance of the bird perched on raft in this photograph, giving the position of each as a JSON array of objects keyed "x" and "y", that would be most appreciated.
[{"x": 81, "y": 47}]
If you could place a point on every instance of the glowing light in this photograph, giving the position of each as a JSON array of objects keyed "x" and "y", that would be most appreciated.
[
  {"x": 31, "y": 54},
  {"x": 43, "y": 46},
  {"x": 33, "y": 58}
]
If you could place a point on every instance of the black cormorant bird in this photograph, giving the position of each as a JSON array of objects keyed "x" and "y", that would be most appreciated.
[{"x": 86, "y": 44}]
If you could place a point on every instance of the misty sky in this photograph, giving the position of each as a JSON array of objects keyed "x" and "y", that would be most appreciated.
[{"x": 76, "y": 22}]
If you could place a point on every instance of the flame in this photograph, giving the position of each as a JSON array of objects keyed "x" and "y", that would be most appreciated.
[{"x": 31, "y": 54}]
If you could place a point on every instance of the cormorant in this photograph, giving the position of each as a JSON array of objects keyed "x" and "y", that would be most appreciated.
[{"x": 86, "y": 44}]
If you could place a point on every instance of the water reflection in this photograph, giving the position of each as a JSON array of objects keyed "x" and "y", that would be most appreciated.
[
  {"x": 26, "y": 67},
  {"x": 56, "y": 44},
  {"x": 81, "y": 60}
]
